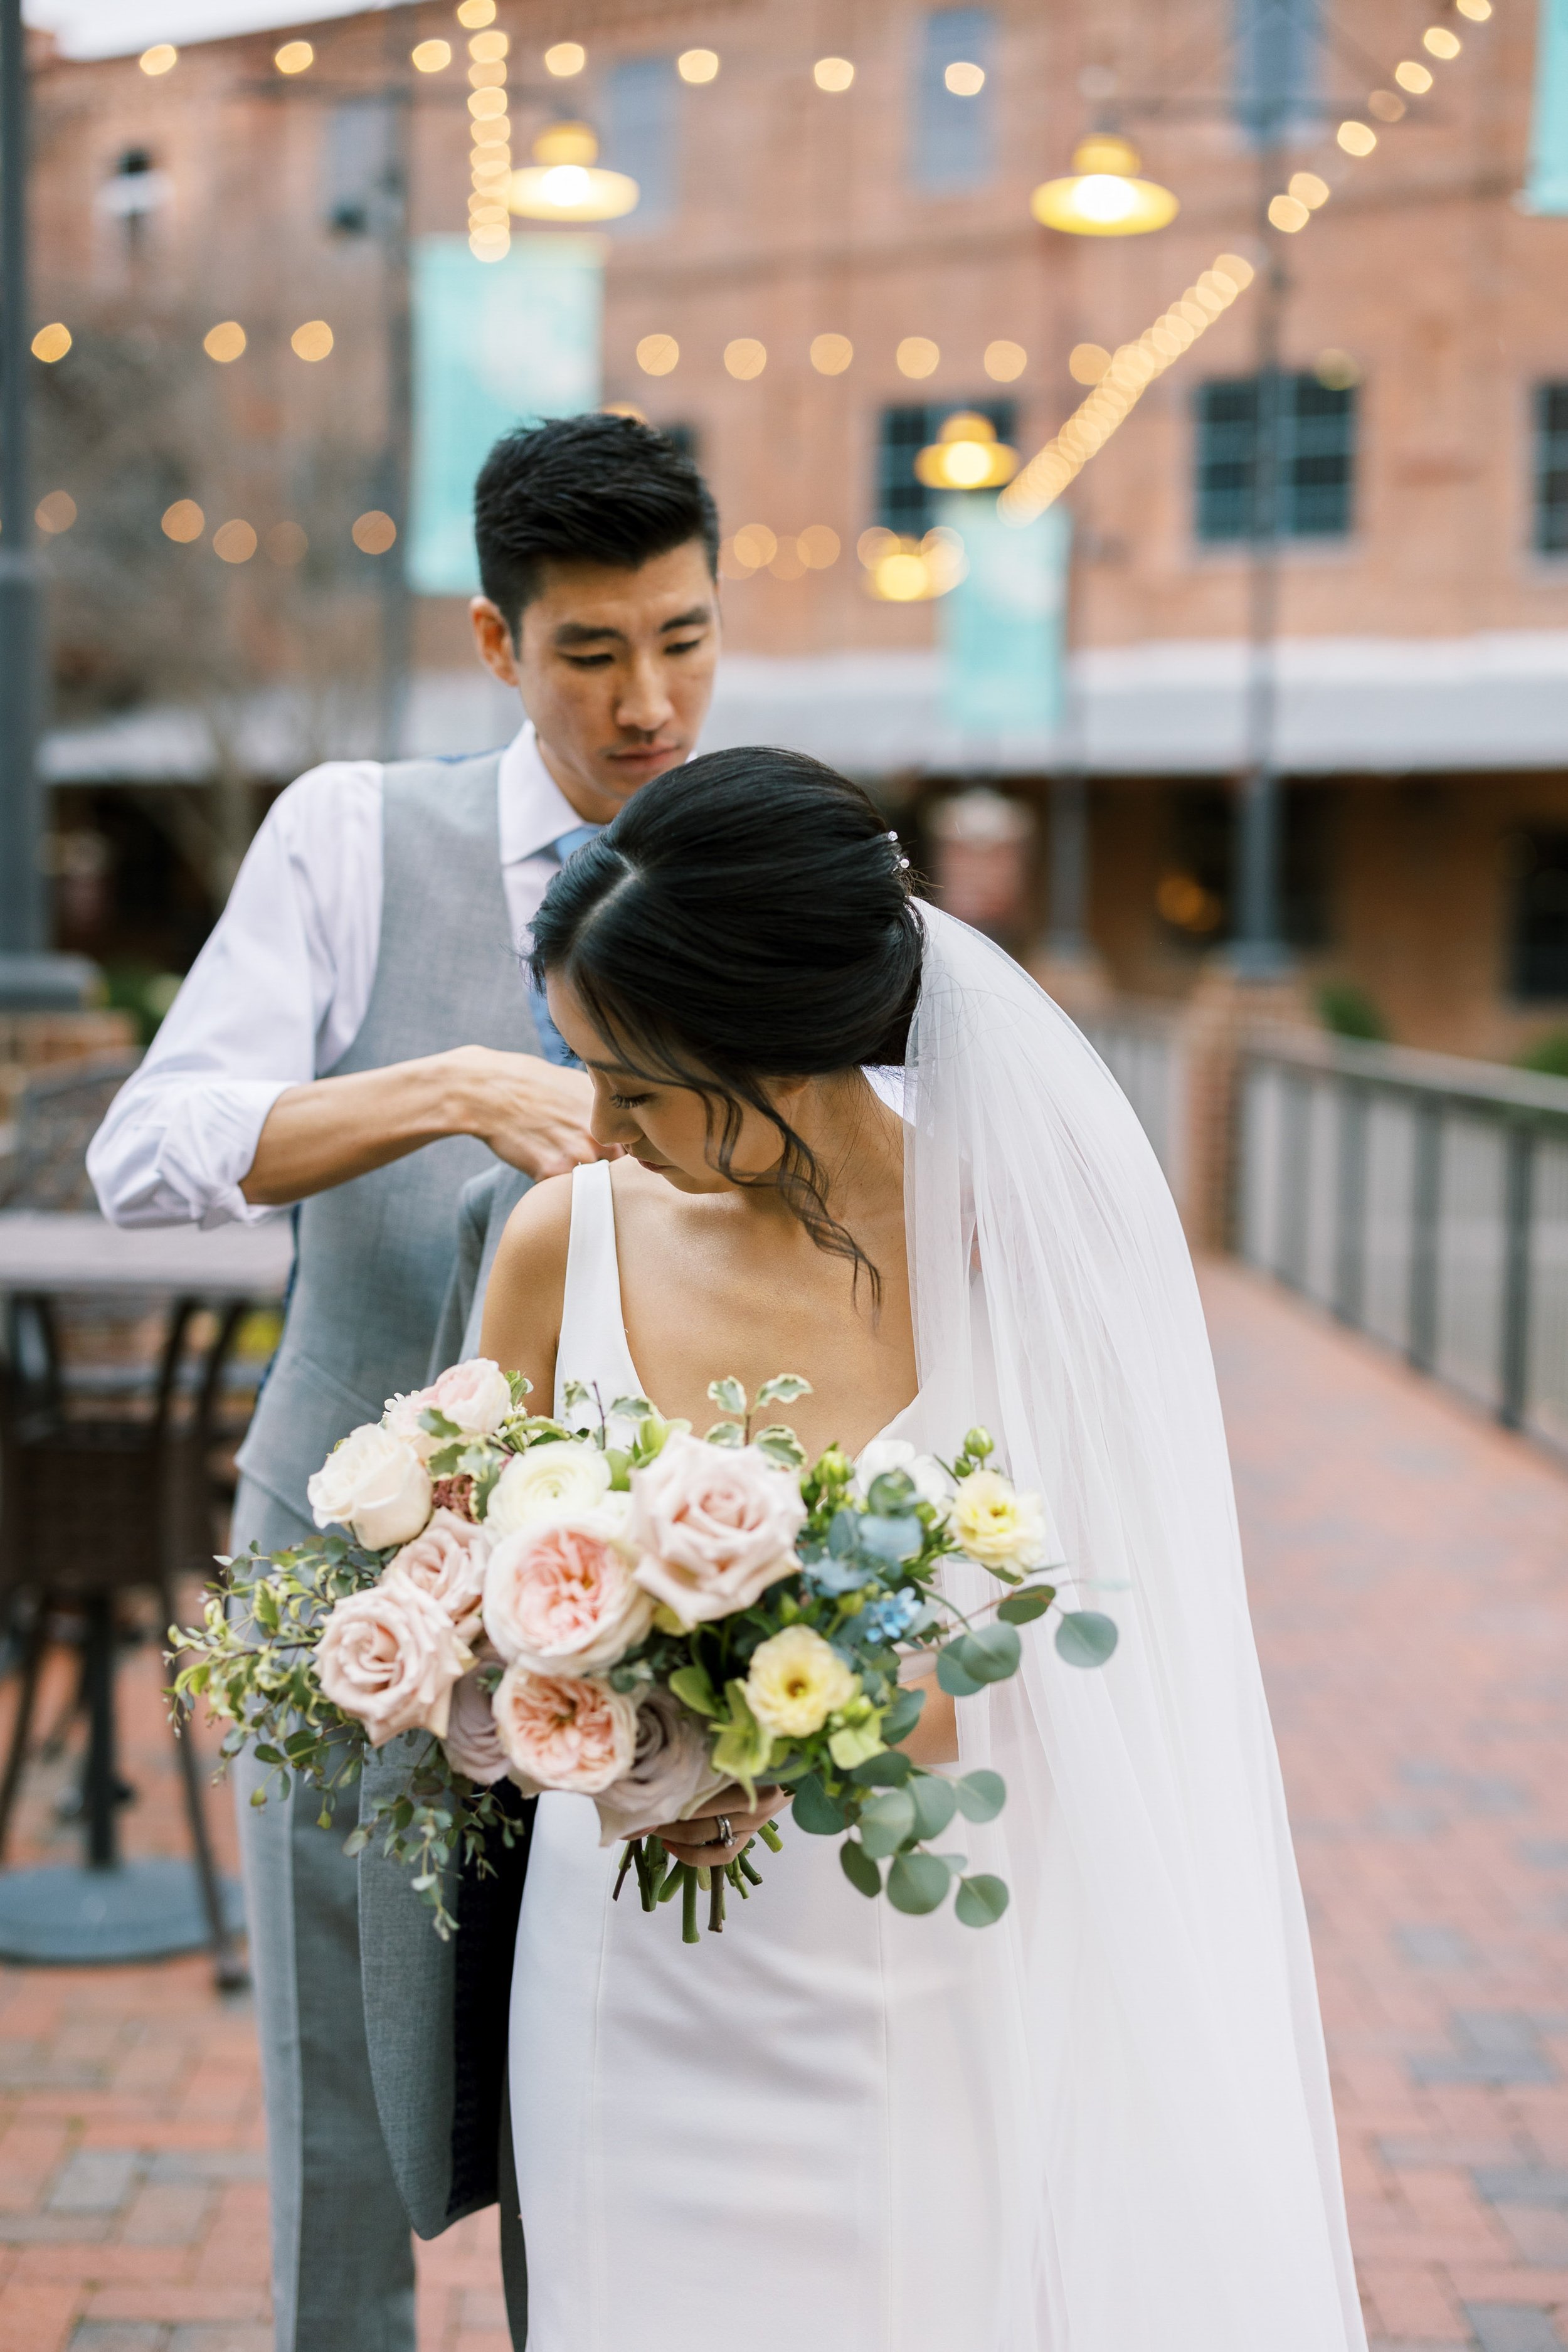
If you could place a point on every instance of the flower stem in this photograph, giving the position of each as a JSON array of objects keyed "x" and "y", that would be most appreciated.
[
  {"x": 742, "y": 1864},
  {"x": 716, "y": 1903},
  {"x": 688, "y": 1903},
  {"x": 769, "y": 1834},
  {"x": 632, "y": 1852}
]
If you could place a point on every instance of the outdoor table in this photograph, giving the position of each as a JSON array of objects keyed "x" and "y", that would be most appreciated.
[{"x": 109, "y": 1908}]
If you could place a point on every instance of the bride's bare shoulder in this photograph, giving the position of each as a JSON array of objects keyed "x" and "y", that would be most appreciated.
[{"x": 528, "y": 1280}]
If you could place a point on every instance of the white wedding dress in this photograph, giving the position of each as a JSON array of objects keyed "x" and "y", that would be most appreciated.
[
  {"x": 1104, "y": 2123},
  {"x": 710, "y": 2141}
]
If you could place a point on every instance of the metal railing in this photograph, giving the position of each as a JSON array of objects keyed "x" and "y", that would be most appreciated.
[{"x": 1422, "y": 1199}]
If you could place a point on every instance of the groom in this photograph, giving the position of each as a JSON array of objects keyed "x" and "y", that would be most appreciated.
[{"x": 355, "y": 1041}]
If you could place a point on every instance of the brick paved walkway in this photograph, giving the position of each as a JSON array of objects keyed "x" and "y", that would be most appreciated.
[{"x": 1410, "y": 1578}]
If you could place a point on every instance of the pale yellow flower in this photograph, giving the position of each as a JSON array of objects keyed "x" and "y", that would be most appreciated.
[
  {"x": 796, "y": 1682},
  {"x": 995, "y": 1525}
]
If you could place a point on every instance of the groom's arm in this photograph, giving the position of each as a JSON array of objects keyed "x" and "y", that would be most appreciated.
[{"x": 532, "y": 1114}]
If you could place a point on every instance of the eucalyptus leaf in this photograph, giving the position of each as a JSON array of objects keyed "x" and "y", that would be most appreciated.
[
  {"x": 903, "y": 1712},
  {"x": 726, "y": 1432},
  {"x": 815, "y": 1811},
  {"x": 951, "y": 1674},
  {"x": 918, "y": 1882},
  {"x": 844, "y": 1533},
  {"x": 783, "y": 1388},
  {"x": 887, "y": 1820},
  {"x": 892, "y": 1492},
  {"x": 981, "y": 1795},
  {"x": 884, "y": 1771},
  {"x": 895, "y": 1540},
  {"x": 1023, "y": 1608},
  {"x": 1085, "y": 1638},
  {"x": 936, "y": 1801},
  {"x": 728, "y": 1395},
  {"x": 860, "y": 1869},
  {"x": 980, "y": 1900},
  {"x": 991, "y": 1653}
]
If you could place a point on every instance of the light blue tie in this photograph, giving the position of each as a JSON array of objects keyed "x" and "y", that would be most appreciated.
[{"x": 551, "y": 1044}]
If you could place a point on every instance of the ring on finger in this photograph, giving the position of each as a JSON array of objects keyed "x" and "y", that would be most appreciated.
[{"x": 723, "y": 1832}]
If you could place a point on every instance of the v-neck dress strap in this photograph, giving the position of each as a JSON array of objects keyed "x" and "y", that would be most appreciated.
[{"x": 592, "y": 1346}]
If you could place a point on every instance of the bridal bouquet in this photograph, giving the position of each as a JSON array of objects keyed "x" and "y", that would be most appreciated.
[{"x": 638, "y": 1615}]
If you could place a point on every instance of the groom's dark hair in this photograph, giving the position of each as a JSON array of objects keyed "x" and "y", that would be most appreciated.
[
  {"x": 594, "y": 490},
  {"x": 747, "y": 916}
]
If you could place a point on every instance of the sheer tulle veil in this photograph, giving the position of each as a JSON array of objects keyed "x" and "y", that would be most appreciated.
[{"x": 1165, "y": 2135}]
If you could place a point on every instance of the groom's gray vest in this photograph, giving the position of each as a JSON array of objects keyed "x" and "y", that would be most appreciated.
[
  {"x": 373, "y": 1257},
  {"x": 372, "y": 1261}
]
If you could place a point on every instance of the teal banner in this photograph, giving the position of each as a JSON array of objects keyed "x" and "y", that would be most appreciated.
[
  {"x": 495, "y": 343},
  {"x": 1546, "y": 190},
  {"x": 1002, "y": 628}
]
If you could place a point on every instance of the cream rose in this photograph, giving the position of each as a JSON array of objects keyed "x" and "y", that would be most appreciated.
[
  {"x": 997, "y": 1526},
  {"x": 562, "y": 1598},
  {"x": 796, "y": 1681},
  {"x": 561, "y": 1479},
  {"x": 374, "y": 1483},
  {"x": 713, "y": 1527},
  {"x": 470, "y": 1739},
  {"x": 564, "y": 1731},
  {"x": 447, "y": 1561},
  {"x": 669, "y": 1777},
  {"x": 390, "y": 1656}
]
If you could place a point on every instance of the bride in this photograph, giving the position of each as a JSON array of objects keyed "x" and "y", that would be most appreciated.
[{"x": 1102, "y": 2125}]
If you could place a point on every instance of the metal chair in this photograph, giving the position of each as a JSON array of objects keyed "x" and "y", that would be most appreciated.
[{"x": 57, "y": 1113}]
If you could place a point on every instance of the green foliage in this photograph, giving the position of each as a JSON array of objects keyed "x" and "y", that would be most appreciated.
[
  {"x": 1346, "y": 1009},
  {"x": 981, "y": 1795},
  {"x": 919, "y": 1882},
  {"x": 1547, "y": 1054},
  {"x": 859, "y": 1868},
  {"x": 1085, "y": 1638},
  {"x": 981, "y": 1901}
]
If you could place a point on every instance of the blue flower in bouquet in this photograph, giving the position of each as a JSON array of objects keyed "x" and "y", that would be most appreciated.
[{"x": 889, "y": 1619}]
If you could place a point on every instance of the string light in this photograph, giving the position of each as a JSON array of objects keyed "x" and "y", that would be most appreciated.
[
  {"x": 565, "y": 59},
  {"x": 966, "y": 456},
  {"x": 1413, "y": 76},
  {"x": 234, "y": 542},
  {"x": 55, "y": 512},
  {"x": 916, "y": 356},
  {"x": 698, "y": 64},
  {"x": 183, "y": 523},
  {"x": 745, "y": 358},
  {"x": 51, "y": 342},
  {"x": 831, "y": 355},
  {"x": 1439, "y": 42},
  {"x": 431, "y": 56},
  {"x": 375, "y": 532},
  {"x": 658, "y": 354},
  {"x": 564, "y": 182},
  {"x": 224, "y": 343},
  {"x": 965, "y": 79},
  {"x": 1308, "y": 192},
  {"x": 313, "y": 340},
  {"x": 902, "y": 571},
  {"x": 833, "y": 74},
  {"x": 1003, "y": 361},
  {"x": 756, "y": 547},
  {"x": 490, "y": 173},
  {"x": 161, "y": 58},
  {"x": 1133, "y": 368}
]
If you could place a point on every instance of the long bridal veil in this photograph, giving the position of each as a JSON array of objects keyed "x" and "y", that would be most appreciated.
[{"x": 1168, "y": 2142}]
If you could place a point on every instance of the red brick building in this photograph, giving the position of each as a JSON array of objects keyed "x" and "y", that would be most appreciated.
[{"x": 1422, "y": 709}]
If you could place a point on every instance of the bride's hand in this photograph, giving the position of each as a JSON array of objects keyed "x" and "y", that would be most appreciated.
[{"x": 697, "y": 1841}]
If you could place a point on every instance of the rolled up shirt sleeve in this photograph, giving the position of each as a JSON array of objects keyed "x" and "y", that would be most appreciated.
[{"x": 276, "y": 996}]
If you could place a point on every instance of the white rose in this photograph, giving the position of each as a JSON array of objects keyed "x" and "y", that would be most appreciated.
[
  {"x": 997, "y": 1526},
  {"x": 931, "y": 1483},
  {"x": 561, "y": 1479},
  {"x": 375, "y": 1483}
]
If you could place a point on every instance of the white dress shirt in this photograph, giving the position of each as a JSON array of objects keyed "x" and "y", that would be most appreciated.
[{"x": 282, "y": 988}]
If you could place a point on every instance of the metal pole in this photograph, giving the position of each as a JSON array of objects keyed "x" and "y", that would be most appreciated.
[
  {"x": 1068, "y": 936},
  {"x": 1260, "y": 950},
  {"x": 21, "y": 878}
]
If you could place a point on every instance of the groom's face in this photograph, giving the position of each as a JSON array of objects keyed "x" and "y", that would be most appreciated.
[{"x": 615, "y": 669}]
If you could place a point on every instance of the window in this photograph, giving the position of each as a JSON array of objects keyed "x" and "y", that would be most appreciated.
[
  {"x": 1315, "y": 468},
  {"x": 638, "y": 116},
  {"x": 1195, "y": 894},
  {"x": 1552, "y": 469},
  {"x": 903, "y": 503},
  {"x": 1277, "y": 45},
  {"x": 134, "y": 193},
  {"x": 1539, "y": 928},
  {"x": 359, "y": 167},
  {"x": 953, "y": 116}
]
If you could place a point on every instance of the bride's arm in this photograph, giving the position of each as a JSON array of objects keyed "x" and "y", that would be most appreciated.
[{"x": 527, "y": 1287}]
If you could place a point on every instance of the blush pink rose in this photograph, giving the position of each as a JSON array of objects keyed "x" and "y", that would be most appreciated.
[
  {"x": 447, "y": 1561},
  {"x": 471, "y": 1742},
  {"x": 390, "y": 1656},
  {"x": 475, "y": 1396},
  {"x": 564, "y": 1731},
  {"x": 713, "y": 1525},
  {"x": 562, "y": 1599}
]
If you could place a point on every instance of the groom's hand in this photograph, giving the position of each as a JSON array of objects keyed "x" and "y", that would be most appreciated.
[{"x": 532, "y": 1114}]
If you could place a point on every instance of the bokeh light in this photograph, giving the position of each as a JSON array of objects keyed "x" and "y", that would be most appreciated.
[
  {"x": 472, "y": 13},
  {"x": 184, "y": 521},
  {"x": 755, "y": 544},
  {"x": 1336, "y": 370},
  {"x": 161, "y": 58},
  {"x": 488, "y": 49},
  {"x": 819, "y": 546},
  {"x": 963, "y": 80},
  {"x": 52, "y": 342},
  {"x": 235, "y": 542},
  {"x": 313, "y": 340},
  {"x": 1478, "y": 11},
  {"x": 873, "y": 544},
  {"x": 788, "y": 563},
  {"x": 294, "y": 58},
  {"x": 224, "y": 341},
  {"x": 1288, "y": 212},
  {"x": 1005, "y": 361},
  {"x": 1309, "y": 190},
  {"x": 658, "y": 354},
  {"x": 565, "y": 59},
  {"x": 831, "y": 355},
  {"x": 698, "y": 64},
  {"x": 1413, "y": 76},
  {"x": 745, "y": 358},
  {"x": 375, "y": 532},
  {"x": 55, "y": 512},
  {"x": 431, "y": 56},
  {"x": 833, "y": 73},
  {"x": 1385, "y": 105},
  {"x": 1356, "y": 137},
  {"x": 1439, "y": 42},
  {"x": 1087, "y": 362},
  {"x": 917, "y": 355}
]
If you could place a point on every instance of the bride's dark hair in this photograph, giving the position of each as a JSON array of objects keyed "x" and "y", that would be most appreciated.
[{"x": 747, "y": 917}]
